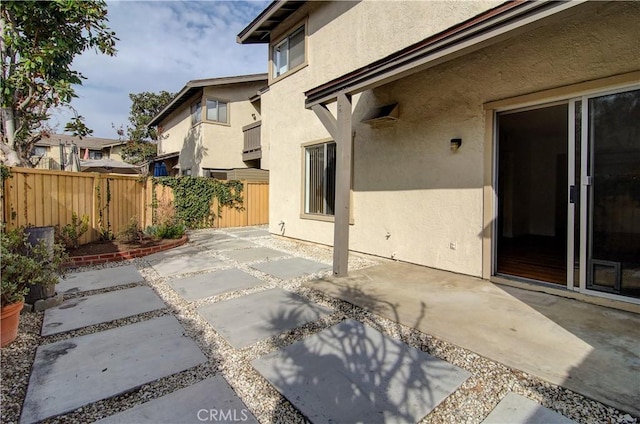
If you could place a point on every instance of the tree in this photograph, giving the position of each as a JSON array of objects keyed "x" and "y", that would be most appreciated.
[
  {"x": 144, "y": 107},
  {"x": 39, "y": 42}
]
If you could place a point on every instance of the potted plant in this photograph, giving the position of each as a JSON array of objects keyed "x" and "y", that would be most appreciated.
[{"x": 23, "y": 265}]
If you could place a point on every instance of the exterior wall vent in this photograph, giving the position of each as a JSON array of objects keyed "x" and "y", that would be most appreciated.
[{"x": 382, "y": 114}]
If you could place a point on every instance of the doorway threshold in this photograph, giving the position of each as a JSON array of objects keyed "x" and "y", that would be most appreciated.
[{"x": 591, "y": 297}]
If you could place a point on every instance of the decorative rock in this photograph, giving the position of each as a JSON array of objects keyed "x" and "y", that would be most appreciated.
[
  {"x": 26, "y": 308},
  {"x": 44, "y": 304}
]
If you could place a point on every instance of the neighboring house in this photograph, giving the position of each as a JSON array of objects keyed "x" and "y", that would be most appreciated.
[
  {"x": 485, "y": 138},
  {"x": 212, "y": 128},
  {"x": 54, "y": 152}
]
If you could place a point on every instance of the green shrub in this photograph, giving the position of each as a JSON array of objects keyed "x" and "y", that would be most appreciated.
[
  {"x": 166, "y": 231},
  {"x": 69, "y": 235},
  {"x": 23, "y": 265},
  {"x": 131, "y": 233}
]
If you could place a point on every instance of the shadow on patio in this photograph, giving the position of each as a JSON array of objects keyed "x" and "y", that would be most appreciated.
[{"x": 590, "y": 349}]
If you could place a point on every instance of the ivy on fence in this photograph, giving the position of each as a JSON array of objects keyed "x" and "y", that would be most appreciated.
[{"x": 194, "y": 196}]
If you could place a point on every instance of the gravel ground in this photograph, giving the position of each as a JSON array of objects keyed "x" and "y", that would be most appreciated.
[{"x": 471, "y": 403}]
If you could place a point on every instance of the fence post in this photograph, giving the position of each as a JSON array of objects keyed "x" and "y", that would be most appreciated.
[{"x": 95, "y": 219}]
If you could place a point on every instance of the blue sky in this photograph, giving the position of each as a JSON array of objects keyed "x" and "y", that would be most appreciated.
[{"x": 163, "y": 44}]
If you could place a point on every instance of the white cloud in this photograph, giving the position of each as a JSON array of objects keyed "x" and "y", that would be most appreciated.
[{"x": 162, "y": 46}]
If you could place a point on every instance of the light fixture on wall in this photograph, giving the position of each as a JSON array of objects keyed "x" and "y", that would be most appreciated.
[{"x": 455, "y": 144}]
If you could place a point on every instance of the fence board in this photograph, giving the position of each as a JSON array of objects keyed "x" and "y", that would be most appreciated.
[{"x": 45, "y": 197}]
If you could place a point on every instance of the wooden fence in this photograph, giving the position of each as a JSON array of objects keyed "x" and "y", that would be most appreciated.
[{"x": 42, "y": 197}]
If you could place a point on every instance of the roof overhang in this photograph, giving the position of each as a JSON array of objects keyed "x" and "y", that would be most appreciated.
[
  {"x": 165, "y": 156},
  {"x": 195, "y": 86},
  {"x": 259, "y": 30},
  {"x": 493, "y": 26}
]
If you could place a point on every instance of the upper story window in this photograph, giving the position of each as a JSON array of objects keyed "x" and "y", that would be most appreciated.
[
  {"x": 217, "y": 111},
  {"x": 39, "y": 151},
  {"x": 95, "y": 154},
  {"x": 289, "y": 53},
  {"x": 196, "y": 112}
]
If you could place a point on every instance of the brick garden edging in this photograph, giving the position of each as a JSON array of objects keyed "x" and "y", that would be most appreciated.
[{"x": 121, "y": 256}]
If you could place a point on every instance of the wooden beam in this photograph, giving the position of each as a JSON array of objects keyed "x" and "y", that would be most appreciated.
[
  {"x": 327, "y": 120},
  {"x": 344, "y": 151}
]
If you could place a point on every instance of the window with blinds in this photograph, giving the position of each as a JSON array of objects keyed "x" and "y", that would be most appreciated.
[
  {"x": 217, "y": 111},
  {"x": 320, "y": 179}
]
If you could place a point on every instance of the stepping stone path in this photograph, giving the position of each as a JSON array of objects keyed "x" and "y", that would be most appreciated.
[
  {"x": 346, "y": 373},
  {"x": 516, "y": 409},
  {"x": 213, "y": 283},
  {"x": 352, "y": 373},
  {"x": 71, "y": 373},
  {"x": 248, "y": 319},
  {"x": 84, "y": 311},
  {"x": 254, "y": 254},
  {"x": 211, "y": 400},
  {"x": 291, "y": 268},
  {"x": 99, "y": 279}
]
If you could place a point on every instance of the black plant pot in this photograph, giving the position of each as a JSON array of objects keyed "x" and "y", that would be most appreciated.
[{"x": 35, "y": 235}]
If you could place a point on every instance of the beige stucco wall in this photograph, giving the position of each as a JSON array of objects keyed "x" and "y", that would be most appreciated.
[
  {"x": 408, "y": 184},
  {"x": 210, "y": 144}
]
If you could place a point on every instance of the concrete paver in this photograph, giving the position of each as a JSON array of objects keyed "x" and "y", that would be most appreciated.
[
  {"x": 207, "y": 236},
  {"x": 213, "y": 283},
  {"x": 291, "y": 268},
  {"x": 186, "y": 263},
  {"x": 248, "y": 319},
  {"x": 516, "y": 409},
  {"x": 253, "y": 233},
  {"x": 352, "y": 373},
  {"x": 587, "y": 348},
  {"x": 84, "y": 311},
  {"x": 231, "y": 244},
  {"x": 156, "y": 258},
  {"x": 211, "y": 400},
  {"x": 99, "y": 279},
  {"x": 81, "y": 370},
  {"x": 255, "y": 254}
]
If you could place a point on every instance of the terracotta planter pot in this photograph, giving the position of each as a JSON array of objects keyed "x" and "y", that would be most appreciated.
[{"x": 9, "y": 322}]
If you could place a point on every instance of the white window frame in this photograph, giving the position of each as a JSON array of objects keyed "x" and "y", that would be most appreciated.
[
  {"x": 278, "y": 69},
  {"x": 41, "y": 149},
  {"x": 218, "y": 101},
  {"x": 92, "y": 154}
]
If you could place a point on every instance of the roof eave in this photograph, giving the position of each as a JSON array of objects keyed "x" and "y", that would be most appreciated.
[
  {"x": 259, "y": 30},
  {"x": 463, "y": 38},
  {"x": 193, "y": 86}
]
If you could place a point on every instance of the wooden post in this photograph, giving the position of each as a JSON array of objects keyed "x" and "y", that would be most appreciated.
[{"x": 344, "y": 151}]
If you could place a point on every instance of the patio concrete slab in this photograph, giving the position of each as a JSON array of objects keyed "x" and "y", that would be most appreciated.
[
  {"x": 213, "y": 283},
  {"x": 210, "y": 400},
  {"x": 84, "y": 311},
  {"x": 156, "y": 258},
  {"x": 231, "y": 244},
  {"x": 516, "y": 409},
  {"x": 99, "y": 279},
  {"x": 186, "y": 263},
  {"x": 249, "y": 319},
  {"x": 587, "y": 348},
  {"x": 71, "y": 373},
  {"x": 255, "y": 254},
  {"x": 352, "y": 373},
  {"x": 252, "y": 233},
  {"x": 292, "y": 268}
]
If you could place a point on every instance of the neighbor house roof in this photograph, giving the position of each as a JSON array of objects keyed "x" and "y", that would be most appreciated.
[
  {"x": 92, "y": 143},
  {"x": 194, "y": 86},
  {"x": 259, "y": 30}
]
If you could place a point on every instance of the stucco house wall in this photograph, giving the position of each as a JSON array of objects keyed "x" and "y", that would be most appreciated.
[
  {"x": 413, "y": 198},
  {"x": 211, "y": 145}
]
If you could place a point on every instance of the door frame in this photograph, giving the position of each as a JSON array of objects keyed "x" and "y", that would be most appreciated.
[{"x": 565, "y": 94}]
